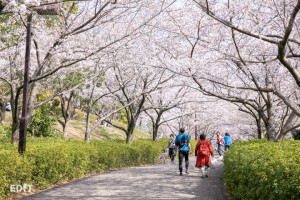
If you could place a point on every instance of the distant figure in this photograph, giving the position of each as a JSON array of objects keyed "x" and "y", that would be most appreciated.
[
  {"x": 227, "y": 141},
  {"x": 182, "y": 142},
  {"x": 163, "y": 156},
  {"x": 171, "y": 147},
  {"x": 8, "y": 107},
  {"x": 203, "y": 151},
  {"x": 219, "y": 143}
]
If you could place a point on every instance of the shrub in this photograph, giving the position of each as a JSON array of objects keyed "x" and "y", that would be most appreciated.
[
  {"x": 15, "y": 169},
  {"x": 263, "y": 170},
  {"x": 79, "y": 115},
  {"x": 42, "y": 121},
  {"x": 5, "y": 133},
  {"x": 48, "y": 160}
]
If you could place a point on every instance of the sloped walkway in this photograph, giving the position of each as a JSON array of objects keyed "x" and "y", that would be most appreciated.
[{"x": 159, "y": 181}]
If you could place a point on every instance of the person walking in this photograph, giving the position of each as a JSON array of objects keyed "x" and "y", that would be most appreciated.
[
  {"x": 163, "y": 156},
  {"x": 219, "y": 143},
  {"x": 182, "y": 143},
  {"x": 171, "y": 147},
  {"x": 227, "y": 141},
  {"x": 203, "y": 152}
]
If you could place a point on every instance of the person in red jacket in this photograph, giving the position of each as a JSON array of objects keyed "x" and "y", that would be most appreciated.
[{"x": 203, "y": 151}]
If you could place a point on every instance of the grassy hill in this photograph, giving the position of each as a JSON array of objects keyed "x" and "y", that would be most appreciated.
[{"x": 76, "y": 129}]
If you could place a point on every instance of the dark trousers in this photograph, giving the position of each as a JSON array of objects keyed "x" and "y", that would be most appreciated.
[
  {"x": 219, "y": 149},
  {"x": 172, "y": 153},
  {"x": 227, "y": 147},
  {"x": 184, "y": 154}
]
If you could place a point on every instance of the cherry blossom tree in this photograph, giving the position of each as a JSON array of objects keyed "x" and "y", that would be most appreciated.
[
  {"x": 273, "y": 25},
  {"x": 135, "y": 84},
  {"x": 164, "y": 100},
  {"x": 72, "y": 40},
  {"x": 220, "y": 60}
]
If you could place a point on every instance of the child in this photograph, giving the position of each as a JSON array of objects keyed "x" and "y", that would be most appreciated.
[{"x": 163, "y": 156}]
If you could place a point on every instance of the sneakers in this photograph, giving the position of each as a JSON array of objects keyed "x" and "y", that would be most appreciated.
[
  {"x": 186, "y": 171},
  {"x": 180, "y": 174}
]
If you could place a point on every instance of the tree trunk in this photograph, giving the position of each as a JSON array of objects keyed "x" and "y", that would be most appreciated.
[
  {"x": 270, "y": 131},
  {"x": 87, "y": 136},
  {"x": 155, "y": 131},
  {"x": 66, "y": 112},
  {"x": 156, "y": 125},
  {"x": 259, "y": 128},
  {"x": 130, "y": 129},
  {"x": 15, "y": 109},
  {"x": 290, "y": 122},
  {"x": 196, "y": 133},
  {"x": 31, "y": 98},
  {"x": 15, "y": 117},
  {"x": 64, "y": 125},
  {"x": 2, "y": 110},
  {"x": 270, "y": 124},
  {"x": 15, "y": 132}
]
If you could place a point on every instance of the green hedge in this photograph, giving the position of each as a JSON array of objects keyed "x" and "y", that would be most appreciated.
[
  {"x": 263, "y": 170},
  {"x": 49, "y": 161}
]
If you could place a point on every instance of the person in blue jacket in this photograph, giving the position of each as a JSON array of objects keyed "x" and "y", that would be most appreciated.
[
  {"x": 227, "y": 141},
  {"x": 182, "y": 143}
]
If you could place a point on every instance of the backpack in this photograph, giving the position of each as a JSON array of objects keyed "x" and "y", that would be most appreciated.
[
  {"x": 181, "y": 142},
  {"x": 221, "y": 141},
  {"x": 203, "y": 150}
]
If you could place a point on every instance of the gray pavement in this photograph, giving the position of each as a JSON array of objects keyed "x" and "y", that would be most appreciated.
[{"x": 160, "y": 181}]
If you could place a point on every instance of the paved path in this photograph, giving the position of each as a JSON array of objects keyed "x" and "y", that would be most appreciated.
[{"x": 161, "y": 181}]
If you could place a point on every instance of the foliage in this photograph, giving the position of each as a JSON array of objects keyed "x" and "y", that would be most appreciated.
[
  {"x": 71, "y": 80},
  {"x": 43, "y": 118},
  {"x": 5, "y": 133},
  {"x": 42, "y": 122},
  {"x": 67, "y": 5},
  {"x": 93, "y": 118},
  {"x": 4, "y": 89},
  {"x": 122, "y": 114},
  {"x": 48, "y": 161},
  {"x": 7, "y": 28},
  {"x": 263, "y": 170},
  {"x": 79, "y": 115},
  {"x": 193, "y": 144},
  {"x": 55, "y": 108},
  {"x": 56, "y": 101}
]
